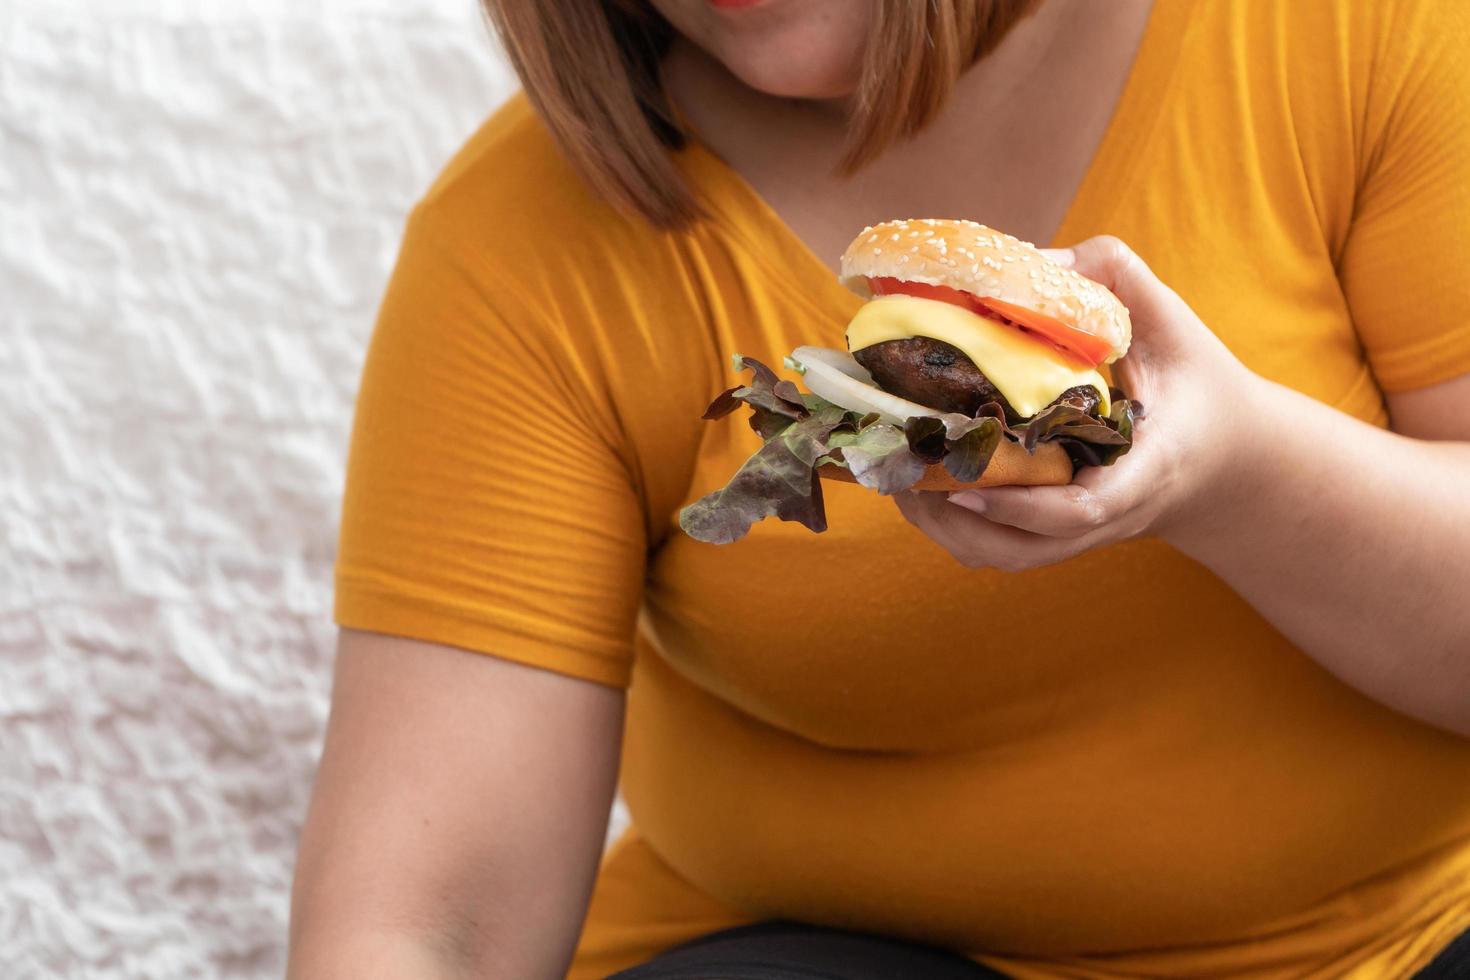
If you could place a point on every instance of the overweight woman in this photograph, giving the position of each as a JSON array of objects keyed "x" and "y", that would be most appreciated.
[{"x": 1205, "y": 712}]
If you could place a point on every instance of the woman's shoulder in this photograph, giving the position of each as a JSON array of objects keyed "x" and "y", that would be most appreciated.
[
  {"x": 510, "y": 197},
  {"x": 1320, "y": 40},
  {"x": 510, "y": 258},
  {"x": 511, "y": 157},
  {"x": 1336, "y": 75},
  {"x": 1357, "y": 37}
]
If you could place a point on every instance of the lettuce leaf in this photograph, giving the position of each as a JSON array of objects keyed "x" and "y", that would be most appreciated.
[
  {"x": 772, "y": 482},
  {"x": 879, "y": 458},
  {"x": 971, "y": 447},
  {"x": 774, "y": 403},
  {"x": 803, "y": 432}
]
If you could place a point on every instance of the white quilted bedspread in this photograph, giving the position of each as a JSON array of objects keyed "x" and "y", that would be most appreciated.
[{"x": 199, "y": 204}]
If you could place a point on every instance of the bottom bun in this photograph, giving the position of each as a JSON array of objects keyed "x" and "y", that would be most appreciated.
[{"x": 1011, "y": 466}]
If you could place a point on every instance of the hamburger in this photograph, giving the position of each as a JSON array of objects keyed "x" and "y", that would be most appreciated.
[{"x": 975, "y": 362}]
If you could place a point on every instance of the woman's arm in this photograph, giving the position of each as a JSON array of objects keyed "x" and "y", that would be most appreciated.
[
  {"x": 458, "y": 816},
  {"x": 1353, "y": 541}
]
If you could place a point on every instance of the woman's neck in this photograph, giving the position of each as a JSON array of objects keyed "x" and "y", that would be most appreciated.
[{"x": 1010, "y": 148}]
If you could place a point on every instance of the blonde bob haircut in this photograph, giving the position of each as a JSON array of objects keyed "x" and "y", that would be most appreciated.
[{"x": 591, "y": 68}]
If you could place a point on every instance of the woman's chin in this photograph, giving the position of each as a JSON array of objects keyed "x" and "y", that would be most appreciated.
[{"x": 796, "y": 77}]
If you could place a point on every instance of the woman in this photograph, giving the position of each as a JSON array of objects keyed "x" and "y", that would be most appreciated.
[{"x": 1204, "y": 713}]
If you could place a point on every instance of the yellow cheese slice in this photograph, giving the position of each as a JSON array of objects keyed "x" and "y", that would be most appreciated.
[{"x": 1030, "y": 374}]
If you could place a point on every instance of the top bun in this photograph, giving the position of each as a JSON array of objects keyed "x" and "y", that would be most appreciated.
[{"x": 988, "y": 263}]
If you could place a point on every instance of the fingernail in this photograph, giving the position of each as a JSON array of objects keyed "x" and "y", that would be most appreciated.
[
  {"x": 968, "y": 499},
  {"x": 1061, "y": 256}
]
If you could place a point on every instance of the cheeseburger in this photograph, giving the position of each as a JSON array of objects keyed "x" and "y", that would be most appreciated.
[{"x": 973, "y": 363}]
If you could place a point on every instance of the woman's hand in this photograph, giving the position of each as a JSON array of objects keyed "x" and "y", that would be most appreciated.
[
  {"x": 1352, "y": 541},
  {"x": 1175, "y": 481}
]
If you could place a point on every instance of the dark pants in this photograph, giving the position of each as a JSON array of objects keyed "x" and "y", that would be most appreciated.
[{"x": 792, "y": 951}]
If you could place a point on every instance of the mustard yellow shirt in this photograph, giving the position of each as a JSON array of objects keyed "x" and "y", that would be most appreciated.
[{"x": 1108, "y": 768}]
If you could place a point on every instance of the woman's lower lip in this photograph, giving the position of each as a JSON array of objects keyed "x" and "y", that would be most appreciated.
[{"x": 733, "y": 4}]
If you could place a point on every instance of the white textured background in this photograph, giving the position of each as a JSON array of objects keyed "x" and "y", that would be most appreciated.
[{"x": 199, "y": 204}]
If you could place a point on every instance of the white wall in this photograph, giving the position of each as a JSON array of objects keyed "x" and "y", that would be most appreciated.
[{"x": 199, "y": 204}]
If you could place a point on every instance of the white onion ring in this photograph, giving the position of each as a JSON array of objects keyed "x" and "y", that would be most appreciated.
[{"x": 839, "y": 378}]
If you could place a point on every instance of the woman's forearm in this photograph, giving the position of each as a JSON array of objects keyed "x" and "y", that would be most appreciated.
[
  {"x": 371, "y": 955},
  {"x": 1355, "y": 543}
]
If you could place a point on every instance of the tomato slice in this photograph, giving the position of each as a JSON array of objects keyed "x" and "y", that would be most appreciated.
[{"x": 1074, "y": 343}]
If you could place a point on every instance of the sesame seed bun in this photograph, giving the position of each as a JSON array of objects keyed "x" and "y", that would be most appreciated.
[
  {"x": 987, "y": 263},
  {"x": 1010, "y": 466}
]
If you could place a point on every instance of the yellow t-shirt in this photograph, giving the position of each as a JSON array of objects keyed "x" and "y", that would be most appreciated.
[{"x": 1108, "y": 768}]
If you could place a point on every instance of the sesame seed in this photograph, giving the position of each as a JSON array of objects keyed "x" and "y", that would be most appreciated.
[
  {"x": 877, "y": 251},
  {"x": 903, "y": 258},
  {"x": 894, "y": 238}
]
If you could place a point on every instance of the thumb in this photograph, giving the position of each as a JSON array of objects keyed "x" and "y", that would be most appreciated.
[{"x": 1156, "y": 310}]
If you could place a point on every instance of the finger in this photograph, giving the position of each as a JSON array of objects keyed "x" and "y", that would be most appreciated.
[
  {"x": 919, "y": 509},
  {"x": 1137, "y": 487},
  {"x": 1057, "y": 512},
  {"x": 978, "y": 543},
  {"x": 1109, "y": 260},
  {"x": 1155, "y": 308},
  {"x": 1061, "y": 256},
  {"x": 1099, "y": 497}
]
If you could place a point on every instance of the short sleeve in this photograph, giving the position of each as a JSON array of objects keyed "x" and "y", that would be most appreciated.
[
  {"x": 1406, "y": 264},
  {"x": 487, "y": 505}
]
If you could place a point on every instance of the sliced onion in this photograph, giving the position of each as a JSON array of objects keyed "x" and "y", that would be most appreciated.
[
  {"x": 841, "y": 360},
  {"x": 836, "y": 376}
]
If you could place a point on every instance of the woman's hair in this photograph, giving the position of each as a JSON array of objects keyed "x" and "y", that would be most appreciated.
[{"x": 591, "y": 69}]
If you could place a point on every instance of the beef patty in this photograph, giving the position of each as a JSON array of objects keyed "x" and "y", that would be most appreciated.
[{"x": 939, "y": 375}]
